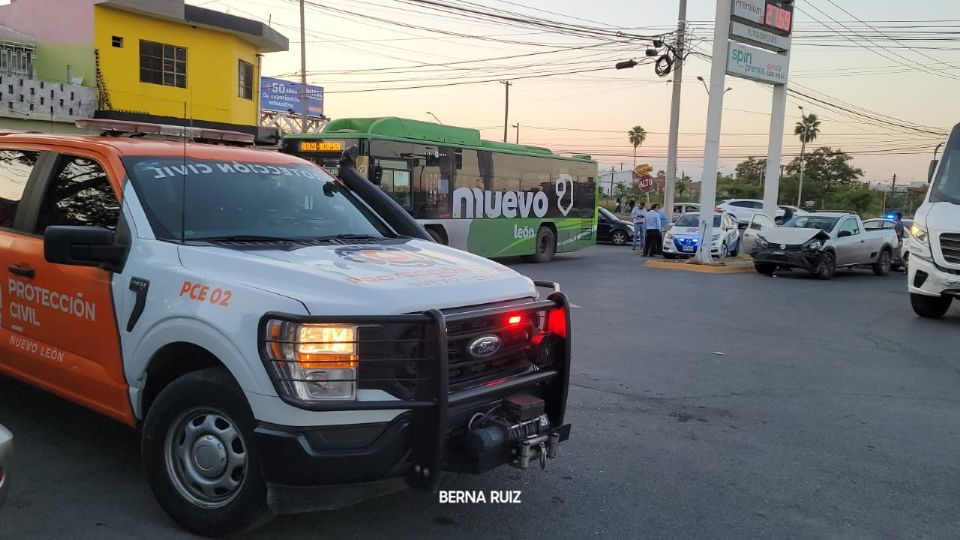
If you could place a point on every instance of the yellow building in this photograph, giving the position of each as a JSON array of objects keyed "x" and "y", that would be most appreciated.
[{"x": 148, "y": 60}]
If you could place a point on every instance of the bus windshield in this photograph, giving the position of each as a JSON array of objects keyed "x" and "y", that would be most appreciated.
[
  {"x": 946, "y": 183},
  {"x": 245, "y": 199}
]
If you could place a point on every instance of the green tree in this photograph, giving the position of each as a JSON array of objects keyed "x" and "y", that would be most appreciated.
[
  {"x": 636, "y": 136},
  {"x": 752, "y": 170},
  {"x": 828, "y": 167},
  {"x": 807, "y": 130}
]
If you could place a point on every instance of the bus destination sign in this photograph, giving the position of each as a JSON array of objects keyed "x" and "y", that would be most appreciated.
[{"x": 320, "y": 146}]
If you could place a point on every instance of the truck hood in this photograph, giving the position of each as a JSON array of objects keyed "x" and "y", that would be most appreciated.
[
  {"x": 385, "y": 278},
  {"x": 792, "y": 235},
  {"x": 939, "y": 217}
]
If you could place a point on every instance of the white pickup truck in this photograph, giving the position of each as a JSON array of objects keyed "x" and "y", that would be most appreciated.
[{"x": 821, "y": 242}]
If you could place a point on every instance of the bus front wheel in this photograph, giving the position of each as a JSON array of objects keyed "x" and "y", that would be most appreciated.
[
  {"x": 438, "y": 235},
  {"x": 546, "y": 245}
]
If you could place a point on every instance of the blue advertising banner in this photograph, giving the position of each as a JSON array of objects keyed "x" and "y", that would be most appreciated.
[{"x": 284, "y": 96}]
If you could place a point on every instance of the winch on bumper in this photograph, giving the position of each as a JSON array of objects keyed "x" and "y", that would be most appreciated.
[{"x": 466, "y": 411}]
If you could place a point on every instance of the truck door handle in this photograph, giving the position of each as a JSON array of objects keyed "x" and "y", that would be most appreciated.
[{"x": 22, "y": 271}]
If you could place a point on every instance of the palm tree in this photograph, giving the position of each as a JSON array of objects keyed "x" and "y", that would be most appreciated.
[
  {"x": 636, "y": 136},
  {"x": 807, "y": 129}
]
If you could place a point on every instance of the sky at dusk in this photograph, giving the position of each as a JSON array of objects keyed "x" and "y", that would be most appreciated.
[{"x": 884, "y": 60}]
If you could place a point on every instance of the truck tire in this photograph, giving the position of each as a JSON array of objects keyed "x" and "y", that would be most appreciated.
[
  {"x": 827, "y": 267},
  {"x": 930, "y": 307},
  {"x": 883, "y": 264},
  {"x": 546, "y": 245},
  {"x": 766, "y": 269},
  {"x": 200, "y": 458}
]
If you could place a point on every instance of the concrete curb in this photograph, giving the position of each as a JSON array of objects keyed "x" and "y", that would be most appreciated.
[{"x": 685, "y": 266}]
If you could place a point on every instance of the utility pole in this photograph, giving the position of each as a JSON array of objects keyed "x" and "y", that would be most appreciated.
[
  {"x": 670, "y": 184},
  {"x": 303, "y": 69},
  {"x": 517, "y": 125},
  {"x": 506, "y": 109}
]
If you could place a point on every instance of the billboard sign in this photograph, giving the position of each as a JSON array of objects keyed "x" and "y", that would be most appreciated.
[
  {"x": 760, "y": 38},
  {"x": 756, "y": 64},
  {"x": 749, "y": 10},
  {"x": 284, "y": 96}
]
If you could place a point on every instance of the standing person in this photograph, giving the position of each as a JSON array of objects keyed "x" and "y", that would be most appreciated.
[
  {"x": 899, "y": 229},
  {"x": 639, "y": 214},
  {"x": 653, "y": 225}
]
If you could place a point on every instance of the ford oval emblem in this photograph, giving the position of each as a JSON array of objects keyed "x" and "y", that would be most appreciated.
[{"x": 484, "y": 346}]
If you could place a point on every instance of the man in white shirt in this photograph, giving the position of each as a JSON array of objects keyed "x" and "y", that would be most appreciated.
[
  {"x": 653, "y": 224},
  {"x": 639, "y": 214}
]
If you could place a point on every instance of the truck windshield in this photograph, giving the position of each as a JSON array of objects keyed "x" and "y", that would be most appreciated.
[
  {"x": 946, "y": 184},
  {"x": 245, "y": 199},
  {"x": 812, "y": 222}
]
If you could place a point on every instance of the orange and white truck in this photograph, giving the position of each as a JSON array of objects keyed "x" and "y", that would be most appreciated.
[{"x": 283, "y": 340}]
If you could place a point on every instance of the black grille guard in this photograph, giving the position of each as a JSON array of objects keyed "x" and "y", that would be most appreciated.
[{"x": 433, "y": 399}]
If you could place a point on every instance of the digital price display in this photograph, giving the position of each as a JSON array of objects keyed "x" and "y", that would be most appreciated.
[{"x": 779, "y": 17}]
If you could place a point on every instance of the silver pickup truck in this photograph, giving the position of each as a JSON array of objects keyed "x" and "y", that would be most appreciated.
[{"x": 822, "y": 242}]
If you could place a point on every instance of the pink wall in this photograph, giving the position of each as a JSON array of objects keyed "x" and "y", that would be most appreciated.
[{"x": 53, "y": 21}]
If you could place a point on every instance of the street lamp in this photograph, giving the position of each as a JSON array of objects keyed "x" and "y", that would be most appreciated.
[
  {"x": 435, "y": 117},
  {"x": 705, "y": 87}
]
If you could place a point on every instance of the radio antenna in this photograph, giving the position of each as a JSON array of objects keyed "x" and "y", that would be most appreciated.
[{"x": 183, "y": 175}]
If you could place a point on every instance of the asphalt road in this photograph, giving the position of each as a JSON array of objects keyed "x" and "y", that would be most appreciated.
[{"x": 706, "y": 406}]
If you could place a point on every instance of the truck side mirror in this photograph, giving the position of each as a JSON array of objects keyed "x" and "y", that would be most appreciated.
[
  {"x": 844, "y": 234},
  {"x": 82, "y": 246},
  {"x": 932, "y": 170}
]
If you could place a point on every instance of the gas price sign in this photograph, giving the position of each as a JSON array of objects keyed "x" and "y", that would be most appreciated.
[
  {"x": 773, "y": 15},
  {"x": 779, "y": 16}
]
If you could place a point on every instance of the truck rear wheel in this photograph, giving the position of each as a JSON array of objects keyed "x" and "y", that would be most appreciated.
[
  {"x": 930, "y": 307},
  {"x": 883, "y": 264},
  {"x": 199, "y": 456}
]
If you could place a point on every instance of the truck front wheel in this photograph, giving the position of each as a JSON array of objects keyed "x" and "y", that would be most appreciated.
[
  {"x": 199, "y": 456},
  {"x": 930, "y": 307}
]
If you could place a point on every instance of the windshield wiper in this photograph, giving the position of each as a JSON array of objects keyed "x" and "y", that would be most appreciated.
[
  {"x": 348, "y": 237},
  {"x": 245, "y": 238}
]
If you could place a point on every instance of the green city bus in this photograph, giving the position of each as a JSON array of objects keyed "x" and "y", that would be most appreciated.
[{"x": 489, "y": 198}]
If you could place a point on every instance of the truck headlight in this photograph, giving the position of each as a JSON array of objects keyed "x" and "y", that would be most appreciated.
[
  {"x": 918, "y": 243},
  {"x": 919, "y": 232},
  {"x": 668, "y": 237},
  {"x": 312, "y": 362},
  {"x": 761, "y": 242},
  {"x": 813, "y": 245}
]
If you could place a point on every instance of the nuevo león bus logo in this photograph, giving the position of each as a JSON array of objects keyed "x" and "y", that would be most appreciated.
[
  {"x": 477, "y": 203},
  {"x": 564, "y": 186}
]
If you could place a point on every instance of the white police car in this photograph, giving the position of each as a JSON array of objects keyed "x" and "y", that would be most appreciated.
[{"x": 683, "y": 238}]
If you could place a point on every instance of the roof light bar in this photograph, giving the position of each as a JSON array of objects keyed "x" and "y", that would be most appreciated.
[{"x": 107, "y": 126}]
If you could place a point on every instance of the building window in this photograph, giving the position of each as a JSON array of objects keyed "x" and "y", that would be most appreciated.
[
  {"x": 16, "y": 59},
  {"x": 163, "y": 64},
  {"x": 245, "y": 80},
  {"x": 117, "y": 41}
]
